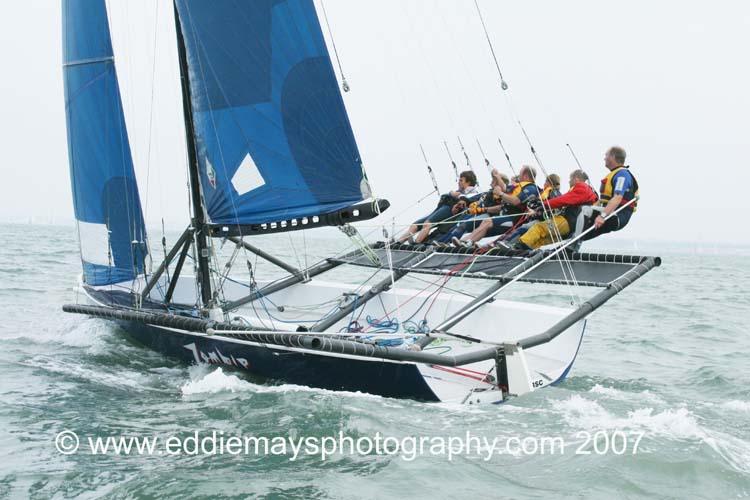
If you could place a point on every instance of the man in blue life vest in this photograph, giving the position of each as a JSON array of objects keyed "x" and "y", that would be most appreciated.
[{"x": 618, "y": 188}]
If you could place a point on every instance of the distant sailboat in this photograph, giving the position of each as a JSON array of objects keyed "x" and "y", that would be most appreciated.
[{"x": 271, "y": 149}]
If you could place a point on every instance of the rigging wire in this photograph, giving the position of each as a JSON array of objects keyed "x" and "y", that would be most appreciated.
[
  {"x": 429, "y": 170},
  {"x": 505, "y": 87},
  {"x": 503, "y": 83},
  {"x": 294, "y": 249},
  {"x": 564, "y": 261},
  {"x": 483, "y": 106},
  {"x": 228, "y": 266},
  {"x": 570, "y": 148},
  {"x": 466, "y": 156},
  {"x": 450, "y": 275},
  {"x": 456, "y": 290},
  {"x": 360, "y": 242},
  {"x": 151, "y": 108},
  {"x": 344, "y": 84},
  {"x": 425, "y": 61},
  {"x": 135, "y": 245},
  {"x": 150, "y": 143},
  {"x": 580, "y": 167},
  {"x": 437, "y": 86},
  {"x": 486, "y": 161},
  {"x": 436, "y": 83},
  {"x": 397, "y": 84},
  {"x": 450, "y": 156},
  {"x": 566, "y": 265},
  {"x": 304, "y": 255},
  {"x": 507, "y": 157},
  {"x": 393, "y": 276},
  {"x": 375, "y": 227},
  {"x": 164, "y": 248},
  {"x": 132, "y": 222}
]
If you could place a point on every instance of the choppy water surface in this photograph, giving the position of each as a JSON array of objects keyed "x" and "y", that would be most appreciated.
[{"x": 667, "y": 359}]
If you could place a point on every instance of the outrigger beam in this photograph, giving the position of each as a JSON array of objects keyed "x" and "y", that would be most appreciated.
[
  {"x": 185, "y": 237},
  {"x": 263, "y": 255},
  {"x": 592, "y": 304},
  {"x": 322, "y": 342}
]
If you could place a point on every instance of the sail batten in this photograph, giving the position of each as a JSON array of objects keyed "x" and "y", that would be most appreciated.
[
  {"x": 88, "y": 61},
  {"x": 106, "y": 201},
  {"x": 273, "y": 137}
]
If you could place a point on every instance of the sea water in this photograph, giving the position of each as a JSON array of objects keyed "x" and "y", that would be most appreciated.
[{"x": 657, "y": 404}]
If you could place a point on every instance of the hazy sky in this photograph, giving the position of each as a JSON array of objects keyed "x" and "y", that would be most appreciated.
[{"x": 667, "y": 80}]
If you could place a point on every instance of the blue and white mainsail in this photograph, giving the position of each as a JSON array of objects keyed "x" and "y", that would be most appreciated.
[
  {"x": 105, "y": 193},
  {"x": 273, "y": 138}
]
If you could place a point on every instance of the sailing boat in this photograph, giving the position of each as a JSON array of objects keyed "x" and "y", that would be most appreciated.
[{"x": 270, "y": 149}]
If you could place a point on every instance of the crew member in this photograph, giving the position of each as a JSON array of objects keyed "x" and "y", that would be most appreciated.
[
  {"x": 467, "y": 185},
  {"x": 618, "y": 188},
  {"x": 470, "y": 220},
  {"x": 551, "y": 190},
  {"x": 562, "y": 224},
  {"x": 513, "y": 205}
]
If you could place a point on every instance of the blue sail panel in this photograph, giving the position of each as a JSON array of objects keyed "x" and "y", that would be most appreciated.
[
  {"x": 105, "y": 192},
  {"x": 273, "y": 137}
]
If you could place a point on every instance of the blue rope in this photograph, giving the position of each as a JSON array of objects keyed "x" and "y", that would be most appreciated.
[{"x": 383, "y": 326}]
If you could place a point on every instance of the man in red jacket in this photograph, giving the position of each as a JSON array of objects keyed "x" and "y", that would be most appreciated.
[{"x": 570, "y": 204}]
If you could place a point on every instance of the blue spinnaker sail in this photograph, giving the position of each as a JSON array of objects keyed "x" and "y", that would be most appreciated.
[
  {"x": 273, "y": 137},
  {"x": 105, "y": 193}
]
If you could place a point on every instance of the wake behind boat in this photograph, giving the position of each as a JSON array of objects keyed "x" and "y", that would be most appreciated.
[{"x": 271, "y": 150}]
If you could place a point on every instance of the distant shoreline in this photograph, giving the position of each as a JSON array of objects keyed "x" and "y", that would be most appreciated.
[{"x": 608, "y": 244}]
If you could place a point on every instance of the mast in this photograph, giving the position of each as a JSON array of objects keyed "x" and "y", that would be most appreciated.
[{"x": 199, "y": 216}]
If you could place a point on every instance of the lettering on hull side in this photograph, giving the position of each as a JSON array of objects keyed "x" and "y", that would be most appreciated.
[{"x": 215, "y": 357}]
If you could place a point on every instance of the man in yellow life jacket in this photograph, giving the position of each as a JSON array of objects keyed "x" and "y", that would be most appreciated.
[{"x": 618, "y": 188}]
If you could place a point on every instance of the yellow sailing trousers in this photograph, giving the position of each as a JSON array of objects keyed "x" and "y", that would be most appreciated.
[{"x": 539, "y": 234}]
